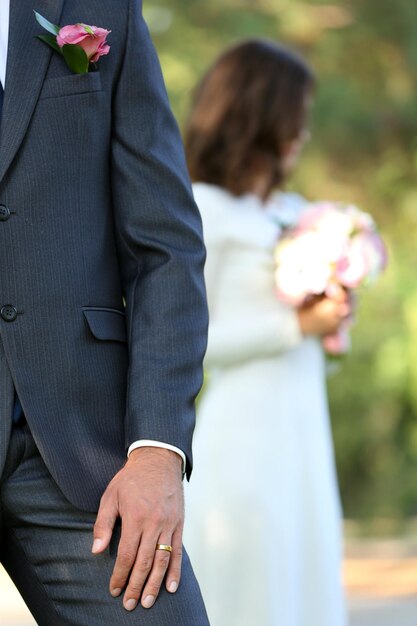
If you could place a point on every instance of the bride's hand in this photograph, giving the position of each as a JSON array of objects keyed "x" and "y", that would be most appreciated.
[{"x": 324, "y": 316}]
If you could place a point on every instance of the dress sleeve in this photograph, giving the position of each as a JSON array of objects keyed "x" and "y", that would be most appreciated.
[
  {"x": 235, "y": 341},
  {"x": 232, "y": 340}
]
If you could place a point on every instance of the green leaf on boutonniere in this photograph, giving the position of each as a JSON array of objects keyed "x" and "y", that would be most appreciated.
[
  {"x": 51, "y": 28},
  {"x": 50, "y": 40},
  {"x": 75, "y": 58}
]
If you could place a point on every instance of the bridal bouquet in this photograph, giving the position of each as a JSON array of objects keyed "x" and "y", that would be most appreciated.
[{"x": 332, "y": 246}]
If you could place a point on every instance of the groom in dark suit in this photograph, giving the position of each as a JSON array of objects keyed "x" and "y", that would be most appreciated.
[{"x": 102, "y": 326}]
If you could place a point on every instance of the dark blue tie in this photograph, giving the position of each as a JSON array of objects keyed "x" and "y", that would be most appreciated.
[{"x": 17, "y": 409}]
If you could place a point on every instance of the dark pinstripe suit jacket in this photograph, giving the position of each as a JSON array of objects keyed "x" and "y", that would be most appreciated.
[{"x": 92, "y": 169}]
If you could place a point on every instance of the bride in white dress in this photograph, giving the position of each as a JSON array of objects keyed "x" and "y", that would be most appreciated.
[{"x": 263, "y": 515}]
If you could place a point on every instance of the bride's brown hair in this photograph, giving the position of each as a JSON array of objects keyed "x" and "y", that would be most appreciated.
[{"x": 249, "y": 105}]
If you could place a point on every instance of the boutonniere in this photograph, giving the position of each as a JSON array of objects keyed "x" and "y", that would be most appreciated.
[{"x": 79, "y": 44}]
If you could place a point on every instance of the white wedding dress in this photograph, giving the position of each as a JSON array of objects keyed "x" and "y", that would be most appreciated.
[{"x": 263, "y": 522}]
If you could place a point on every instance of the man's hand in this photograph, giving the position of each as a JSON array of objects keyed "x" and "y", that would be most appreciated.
[{"x": 147, "y": 494}]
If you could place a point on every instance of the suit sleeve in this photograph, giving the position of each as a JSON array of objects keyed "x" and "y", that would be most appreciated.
[{"x": 161, "y": 251}]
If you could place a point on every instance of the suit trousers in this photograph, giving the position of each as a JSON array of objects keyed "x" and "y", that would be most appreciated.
[{"x": 45, "y": 544}]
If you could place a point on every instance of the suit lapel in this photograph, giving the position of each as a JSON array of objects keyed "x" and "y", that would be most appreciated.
[{"x": 27, "y": 62}]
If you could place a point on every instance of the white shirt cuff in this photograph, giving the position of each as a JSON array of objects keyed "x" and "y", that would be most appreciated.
[{"x": 150, "y": 443}]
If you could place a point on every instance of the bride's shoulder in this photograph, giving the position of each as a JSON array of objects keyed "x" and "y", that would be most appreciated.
[
  {"x": 217, "y": 209},
  {"x": 210, "y": 197}
]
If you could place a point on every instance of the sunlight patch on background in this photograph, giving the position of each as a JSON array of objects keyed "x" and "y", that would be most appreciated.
[{"x": 158, "y": 18}]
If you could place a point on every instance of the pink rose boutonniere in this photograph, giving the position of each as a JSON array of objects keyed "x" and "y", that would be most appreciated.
[{"x": 79, "y": 44}]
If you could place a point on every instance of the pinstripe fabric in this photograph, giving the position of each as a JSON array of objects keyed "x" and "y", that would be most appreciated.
[
  {"x": 46, "y": 548},
  {"x": 93, "y": 169},
  {"x": 6, "y": 406}
]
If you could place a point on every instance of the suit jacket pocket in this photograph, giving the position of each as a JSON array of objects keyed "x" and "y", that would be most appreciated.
[
  {"x": 105, "y": 323},
  {"x": 71, "y": 85}
]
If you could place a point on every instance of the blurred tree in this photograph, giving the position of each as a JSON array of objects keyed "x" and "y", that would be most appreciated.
[{"x": 364, "y": 150}]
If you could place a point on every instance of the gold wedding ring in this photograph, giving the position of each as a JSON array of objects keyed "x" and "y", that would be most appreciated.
[{"x": 163, "y": 546}]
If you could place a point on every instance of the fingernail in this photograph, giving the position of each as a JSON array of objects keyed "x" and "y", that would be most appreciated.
[
  {"x": 148, "y": 602},
  {"x": 130, "y": 604},
  {"x": 98, "y": 543},
  {"x": 115, "y": 592},
  {"x": 173, "y": 586}
]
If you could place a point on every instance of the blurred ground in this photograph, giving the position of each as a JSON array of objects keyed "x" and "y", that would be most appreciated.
[
  {"x": 382, "y": 590},
  {"x": 381, "y": 582}
]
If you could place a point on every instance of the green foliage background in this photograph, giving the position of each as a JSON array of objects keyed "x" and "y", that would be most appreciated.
[{"x": 364, "y": 150}]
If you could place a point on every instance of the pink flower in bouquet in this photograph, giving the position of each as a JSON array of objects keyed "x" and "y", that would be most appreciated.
[
  {"x": 352, "y": 269},
  {"x": 330, "y": 220},
  {"x": 332, "y": 225},
  {"x": 338, "y": 343},
  {"x": 91, "y": 39},
  {"x": 365, "y": 259},
  {"x": 377, "y": 255}
]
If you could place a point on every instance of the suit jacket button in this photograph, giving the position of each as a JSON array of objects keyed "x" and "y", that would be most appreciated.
[
  {"x": 8, "y": 313},
  {"x": 4, "y": 213}
]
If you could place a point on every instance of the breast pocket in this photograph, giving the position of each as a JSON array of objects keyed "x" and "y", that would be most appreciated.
[{"x": 72, "y": 85}]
